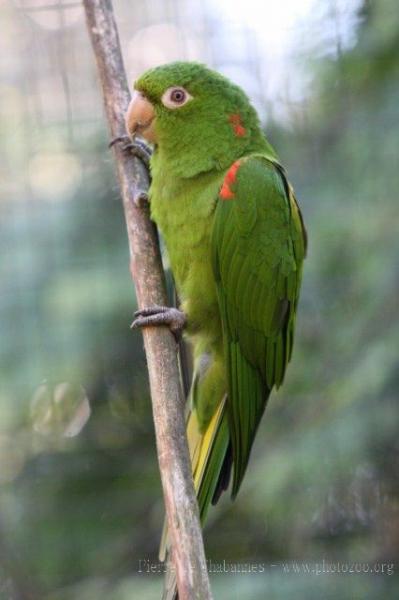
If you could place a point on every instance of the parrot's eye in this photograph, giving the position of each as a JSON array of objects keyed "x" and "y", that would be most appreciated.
[{"x": 175, "y": 97}]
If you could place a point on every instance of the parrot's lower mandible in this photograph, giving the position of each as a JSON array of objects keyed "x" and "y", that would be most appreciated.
[{"x": 236, "y": 243}]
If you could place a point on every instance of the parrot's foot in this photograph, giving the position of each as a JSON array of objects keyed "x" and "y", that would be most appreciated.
[
  {"x": 160, "y": 315},
  {"x": 143, "y": 152},
  {"x": 137, "y": 148}
]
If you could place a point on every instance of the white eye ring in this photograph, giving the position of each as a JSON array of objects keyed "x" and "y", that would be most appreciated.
[{"x": 175, "y": 97}]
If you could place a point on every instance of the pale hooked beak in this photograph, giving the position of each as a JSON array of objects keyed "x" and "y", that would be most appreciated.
[{"x": 140, "y": 117}]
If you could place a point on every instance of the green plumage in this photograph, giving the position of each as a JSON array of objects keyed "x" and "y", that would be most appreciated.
[{"x": 236, "y": 243}]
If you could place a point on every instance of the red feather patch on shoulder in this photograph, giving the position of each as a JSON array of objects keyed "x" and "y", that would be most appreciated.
[
  {"x": 239, "y": 129},
  {"x": 226, "y": 192}
]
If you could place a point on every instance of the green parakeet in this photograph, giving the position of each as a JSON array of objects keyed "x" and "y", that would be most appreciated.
[{"x": 236, "y": 243}]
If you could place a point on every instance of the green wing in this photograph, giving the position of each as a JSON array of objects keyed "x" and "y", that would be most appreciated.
[{"x": 258, "y": 246}]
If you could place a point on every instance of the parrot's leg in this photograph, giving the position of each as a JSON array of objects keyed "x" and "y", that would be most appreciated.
[
  {"x": 210, "y": 386},
  {"x": 160, "y": 315}
]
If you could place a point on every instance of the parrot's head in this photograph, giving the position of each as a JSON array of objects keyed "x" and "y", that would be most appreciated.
[{"x": 197, "y": 119}]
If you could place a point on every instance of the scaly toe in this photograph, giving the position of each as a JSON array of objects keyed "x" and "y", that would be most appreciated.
[
  {"x": 139, "y": 149},
  {"x": 160, "y": 315},
  {"x": 119, "y": 140},
  {"x": 150, "y": 310}
]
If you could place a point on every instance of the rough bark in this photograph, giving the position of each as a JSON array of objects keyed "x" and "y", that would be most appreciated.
[{"x": 160, "y": 346}]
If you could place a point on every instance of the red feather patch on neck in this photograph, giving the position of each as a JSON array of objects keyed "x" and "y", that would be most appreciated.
[
  {"x": 239, "y": 129},
  {"x": 226, "y": 192}
]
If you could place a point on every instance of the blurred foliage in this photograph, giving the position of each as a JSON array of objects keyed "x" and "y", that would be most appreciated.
[{"x": 80, "y": 498}]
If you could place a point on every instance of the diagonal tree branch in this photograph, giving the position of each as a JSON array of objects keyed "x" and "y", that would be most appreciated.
[{"x": 148, "y": 276}]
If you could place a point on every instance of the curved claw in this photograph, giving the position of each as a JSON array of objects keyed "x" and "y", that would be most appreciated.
[{"x": 141, "y": 200}]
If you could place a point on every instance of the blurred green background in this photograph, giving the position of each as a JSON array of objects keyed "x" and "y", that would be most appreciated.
[{"x": 80, "y": 498}]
